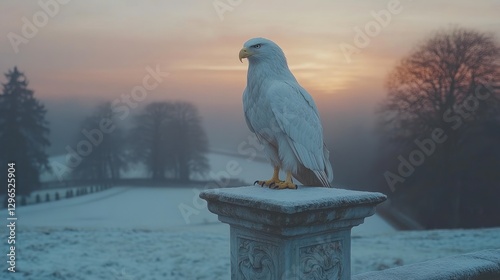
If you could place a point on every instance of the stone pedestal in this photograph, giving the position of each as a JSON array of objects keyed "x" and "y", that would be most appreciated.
[{"x": 291, "y": 234}]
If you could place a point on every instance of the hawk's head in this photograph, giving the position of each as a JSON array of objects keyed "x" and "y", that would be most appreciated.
[{"x": 261, "y": 49}]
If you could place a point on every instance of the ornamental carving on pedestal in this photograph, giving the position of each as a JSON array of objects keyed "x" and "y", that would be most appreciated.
[
  {"x": 321, "y": 261},
  {"x": 256, "y": 260}
]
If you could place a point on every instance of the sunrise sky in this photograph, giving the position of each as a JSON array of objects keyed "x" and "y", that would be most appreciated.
[{"x": 98, "y": 50}]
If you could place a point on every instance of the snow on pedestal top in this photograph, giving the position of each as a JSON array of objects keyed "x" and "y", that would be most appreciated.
[
  {"x": 292, "y": 201},
  {"x": 292, "y": 212}
]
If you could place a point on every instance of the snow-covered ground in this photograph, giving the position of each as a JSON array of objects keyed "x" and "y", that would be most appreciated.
[
  {"x": 126, "y": 254},
  {"x": 139, "y": 208},
  {"x": 141, "y": 233},
  {"x": 130, "y": 233},
  {"x": 222, "y": 164}
]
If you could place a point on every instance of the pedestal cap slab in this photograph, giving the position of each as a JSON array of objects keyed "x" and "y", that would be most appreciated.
[{"x": 292, "y": 212}]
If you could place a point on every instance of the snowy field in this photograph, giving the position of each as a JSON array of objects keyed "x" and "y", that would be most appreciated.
[
  {"x": 140, "y": 233},
  {"x": 132, "y": 233},
  {"x": 240, "y": 167}
]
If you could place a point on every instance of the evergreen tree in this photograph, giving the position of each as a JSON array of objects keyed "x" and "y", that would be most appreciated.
[{"x": 23, "y": 132}]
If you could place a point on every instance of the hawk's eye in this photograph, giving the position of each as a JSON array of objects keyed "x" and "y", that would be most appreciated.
[{"x": 256, "y": 46}]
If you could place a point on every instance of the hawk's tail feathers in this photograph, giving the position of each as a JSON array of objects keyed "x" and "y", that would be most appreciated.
[
  {"x": 327, "y": 174},
  {"x": 323, "y": 178}
]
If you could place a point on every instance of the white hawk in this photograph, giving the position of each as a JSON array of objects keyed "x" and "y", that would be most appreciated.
[{"x": 284, "y": 118}]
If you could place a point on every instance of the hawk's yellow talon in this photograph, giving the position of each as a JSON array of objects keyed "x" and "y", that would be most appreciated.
[
  {"x": 268, "y": 183},
  {"x": 276, "y": 183},
  {"x": 285, "y": 185},
  {"x": 271, "y": 181}
]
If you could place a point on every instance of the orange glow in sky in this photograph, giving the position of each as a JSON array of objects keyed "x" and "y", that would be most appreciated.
[
  {"x": 100, "y": 49},
  {"x": 104, "y": 46}
]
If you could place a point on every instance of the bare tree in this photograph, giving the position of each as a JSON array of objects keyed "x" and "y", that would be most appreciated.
[
  {"x": 170, "y": 140},
  {"x": 148, "y": 139},
  {"x": 188, "y": 141},
  {"x": 446, "y": 86},
  {"x": 106, "y": 138}
]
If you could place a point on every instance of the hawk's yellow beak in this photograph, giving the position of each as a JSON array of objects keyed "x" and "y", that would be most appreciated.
[{"x": 244, "y": 53}]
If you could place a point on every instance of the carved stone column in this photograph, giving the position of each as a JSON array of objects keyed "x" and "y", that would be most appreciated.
[{"x": 291, "y": 234}]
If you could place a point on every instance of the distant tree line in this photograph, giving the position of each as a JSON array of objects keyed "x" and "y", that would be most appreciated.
[{"x": 167, "y": 138}]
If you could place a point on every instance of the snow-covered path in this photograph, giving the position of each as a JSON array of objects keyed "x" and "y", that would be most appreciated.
[{"x": 120, "y": 207}]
